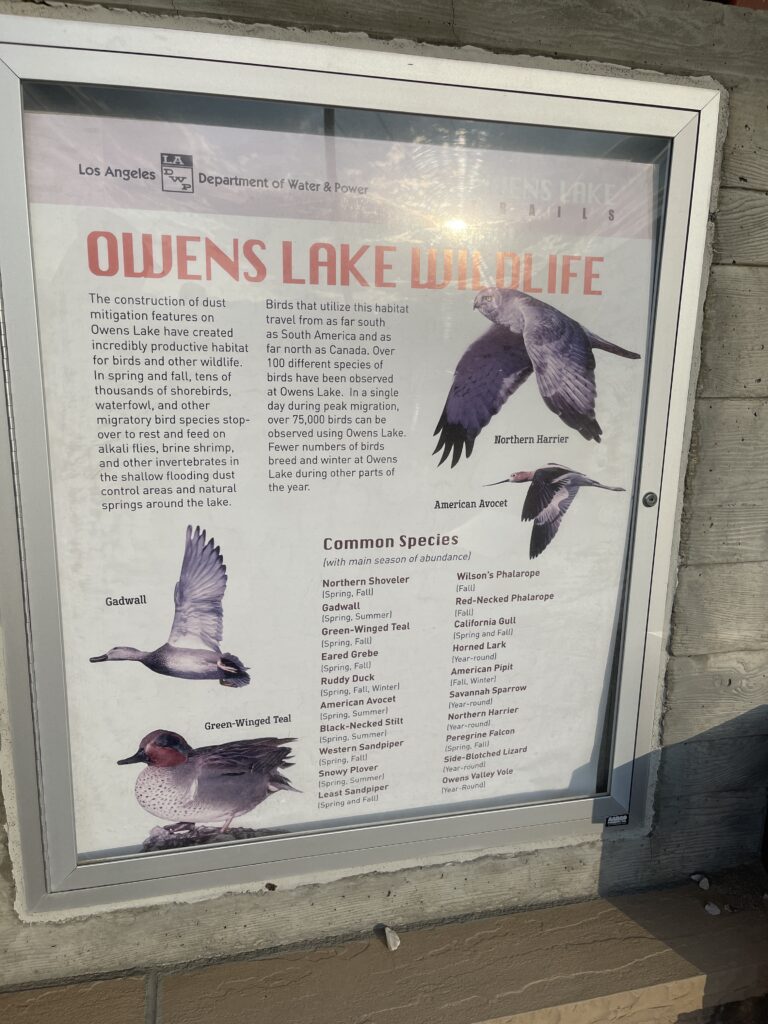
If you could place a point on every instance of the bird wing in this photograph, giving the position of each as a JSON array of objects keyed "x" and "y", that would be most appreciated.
[
  {"x": 547, "y": 522},
  {"x": 198, "y": 621},
  {"x": 491, "y": 369},
  {"x": 245, "y": 757},
  {"x": 562, "y": 357},
  {"x": 542, "y": 490}
]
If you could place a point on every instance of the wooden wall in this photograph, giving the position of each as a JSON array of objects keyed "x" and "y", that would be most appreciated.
[{"x": 711, "y": 796}]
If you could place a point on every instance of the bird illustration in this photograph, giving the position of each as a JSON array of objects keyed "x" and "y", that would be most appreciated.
[
  {"x": 549, "y": 497},
  {"x": 528, "y": 336},
  {"x": 208, "y": 784},
  {"x": 193, "y": 651}
]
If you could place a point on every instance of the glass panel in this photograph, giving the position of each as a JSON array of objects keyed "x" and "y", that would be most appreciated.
[{"x": 345, "y": 412}]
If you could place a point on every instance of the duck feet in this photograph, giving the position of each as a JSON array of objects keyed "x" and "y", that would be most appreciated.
[
  {"x": 190, "y": 830},
  {"x": 183, "y": 833}
]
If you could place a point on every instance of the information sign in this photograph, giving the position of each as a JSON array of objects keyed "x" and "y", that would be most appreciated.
[{"x": 356, "y": 418}]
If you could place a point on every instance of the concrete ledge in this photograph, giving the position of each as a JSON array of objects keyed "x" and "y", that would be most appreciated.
[{"x": 656, "y": 957}]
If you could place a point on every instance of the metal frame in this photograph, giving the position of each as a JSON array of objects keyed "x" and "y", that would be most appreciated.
[{"x": 35, "y": 747}]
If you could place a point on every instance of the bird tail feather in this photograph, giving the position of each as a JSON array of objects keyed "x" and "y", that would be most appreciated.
[
  {"x": 234, "y": 661},
  {"x": 608, "y": 346},
  {"x": 278, "y": 781}
]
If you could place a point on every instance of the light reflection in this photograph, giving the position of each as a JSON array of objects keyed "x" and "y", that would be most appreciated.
[{"x": 456, "y": 225}]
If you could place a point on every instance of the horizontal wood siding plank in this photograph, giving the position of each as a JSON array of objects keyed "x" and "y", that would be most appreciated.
[
  {"x": 731, "y": 820},
  {"x": 714, "y": 766},
  {"x": 721, "y": 608},
  {"x": 728, "y": 453},
  {"x": 643, "y": 862},
  {"x": 672, "y": 35},
  {"x": 727, "y": 533},
  {"x": 723, "y": 692},
  {"x": 741, "y": 227},
  {"x": 734, "y": 357},
  {"x": 745, "y": 154},
  {"x": 428, "y": 21}
]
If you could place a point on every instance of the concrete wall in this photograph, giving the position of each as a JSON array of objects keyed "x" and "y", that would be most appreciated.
[{"x": 710, "y": 803}]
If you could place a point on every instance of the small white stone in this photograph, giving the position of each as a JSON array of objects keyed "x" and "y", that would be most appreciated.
[
  {"x": 712, "y": 908},
  {"x": 393, "y": 939},
  {"x": 704, "y": 883},
  {"x": 696, "y": 877}
]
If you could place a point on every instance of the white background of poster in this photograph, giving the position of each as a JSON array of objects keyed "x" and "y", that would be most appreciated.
[{"x": 272, "y": 543}]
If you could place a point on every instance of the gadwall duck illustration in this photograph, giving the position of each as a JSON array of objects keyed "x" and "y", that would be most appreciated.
[
  {"x": 207, "y": 785},
  {"x": 549, "y": 497},
  {"x": 528, "y": 336},
  {"x": 193, "y": 651}
]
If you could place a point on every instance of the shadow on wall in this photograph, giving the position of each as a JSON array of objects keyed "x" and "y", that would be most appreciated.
[
  {"x": 748, "y": 1011},
  {"x": 709, "y": 818}
]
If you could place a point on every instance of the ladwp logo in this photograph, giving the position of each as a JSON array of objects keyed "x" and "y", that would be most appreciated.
[{"x": 177, "y": 172}]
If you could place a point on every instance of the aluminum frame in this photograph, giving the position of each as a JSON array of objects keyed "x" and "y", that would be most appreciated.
[{"x": 35, "y": 746}]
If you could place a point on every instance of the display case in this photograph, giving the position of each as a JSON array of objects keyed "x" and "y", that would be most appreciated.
[{"x": 346, "y": 399}]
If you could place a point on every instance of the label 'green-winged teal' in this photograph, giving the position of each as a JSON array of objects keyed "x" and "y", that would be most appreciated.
[
  {"x": 193, "y": 651},
  {"x": 208, "y": 785}
]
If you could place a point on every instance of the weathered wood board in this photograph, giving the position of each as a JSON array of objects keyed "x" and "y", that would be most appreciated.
[
  {"x": 683, "y": 37},
  {"x": 745, "y": 154},
  {"x": 727, "y": 692},
  {"x": 734, "y": 355},
  {"x": 429, "y": 21},
  {"x": 725, "y": 515},
  {"x": 741, "y": 227},
  {"x": 709, "y": 767},
  {"x": 721, "y": 608},
  {"x": 728, "y": 449},
  {"x": 728, "y": 818},
  {"x": 724, "y": 533}
]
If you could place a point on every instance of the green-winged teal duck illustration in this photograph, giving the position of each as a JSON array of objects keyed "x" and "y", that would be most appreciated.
[
  {"x": 208, "y": 785},
  {"x": 192, "y": 650}
]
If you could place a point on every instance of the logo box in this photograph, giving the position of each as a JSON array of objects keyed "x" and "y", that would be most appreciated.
[{"x": 177, "y": 172}]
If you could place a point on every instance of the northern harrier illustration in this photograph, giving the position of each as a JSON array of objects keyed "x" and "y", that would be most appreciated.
[{"x": 528, "y": 336}]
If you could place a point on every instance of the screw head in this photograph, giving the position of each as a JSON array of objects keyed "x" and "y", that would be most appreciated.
[{"x": 650, "y": 499}]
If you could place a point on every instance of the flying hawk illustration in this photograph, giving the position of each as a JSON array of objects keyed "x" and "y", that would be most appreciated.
[{"x": 528, "y": 336}]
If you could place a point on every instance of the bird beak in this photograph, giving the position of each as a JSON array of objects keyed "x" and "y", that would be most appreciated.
[
  {"x": 497, "y": 482},
  {"x": 99, "y": 657},
  {"x": 476, "y": 303},
  {"x": 138, "y": 758}
]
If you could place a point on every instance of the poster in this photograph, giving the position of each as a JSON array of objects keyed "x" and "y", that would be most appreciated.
[{"x": 343, "y": 433}]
